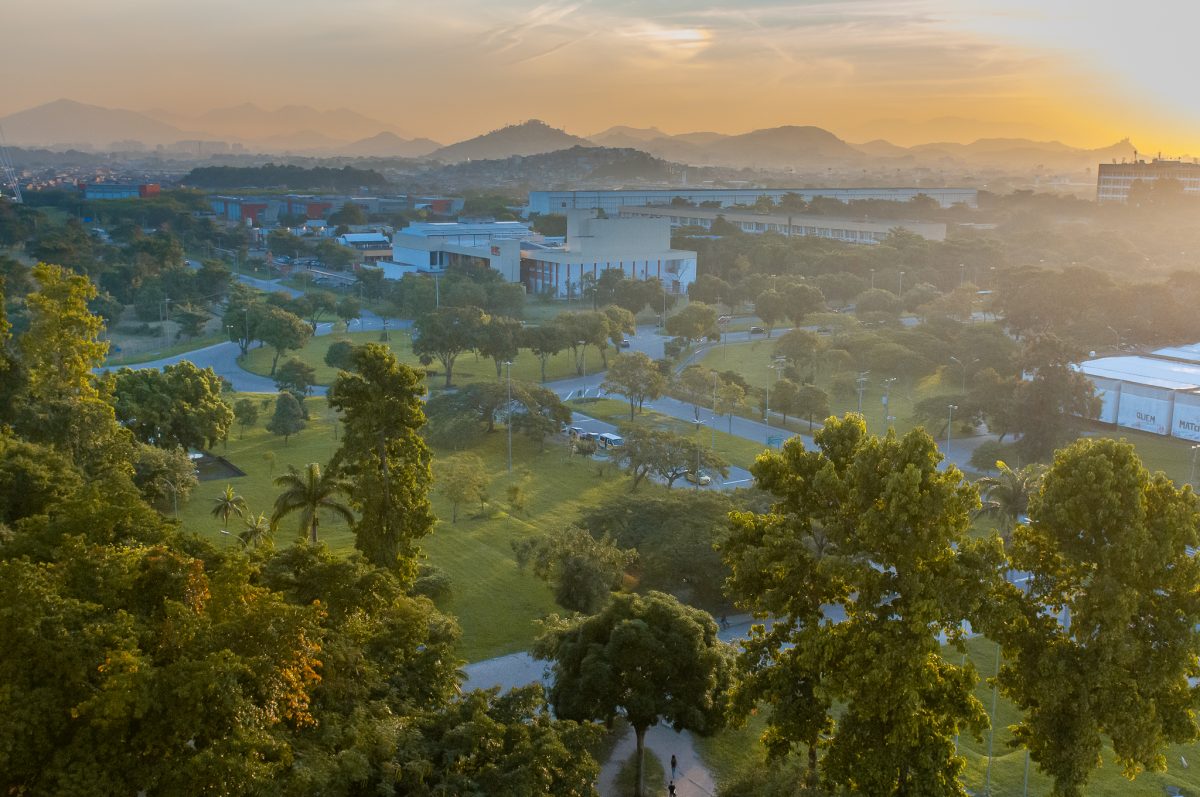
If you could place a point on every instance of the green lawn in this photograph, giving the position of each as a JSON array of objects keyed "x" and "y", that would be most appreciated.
[
  {"x": 733, "y": 751},
  {"x": 495, "y": 603},
  {"x": 467, "y": 368},
  {"x": 753, "y": 361}
]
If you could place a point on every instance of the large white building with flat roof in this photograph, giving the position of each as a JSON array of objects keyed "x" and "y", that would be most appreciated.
[
  {"x": 1151, "y": 394},
  {"x": 611, "y": 202}
]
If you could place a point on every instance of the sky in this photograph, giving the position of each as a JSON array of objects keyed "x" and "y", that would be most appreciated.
[{"x": 1086, "y": 72}]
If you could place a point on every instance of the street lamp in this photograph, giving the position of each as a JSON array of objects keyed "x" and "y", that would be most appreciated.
[
  {"x": 775, "y": 365},
  {"x": 887, "y": 400},
  {"x": 174, "y": 494},
  {"x": 1195, "y": 451},
  {"x": 901, "y": 293},
  {"x": 963, "y": 365},
  {"x": 950, "y": 428},
  {"x": 861, "y": 383},
  {"x": 872, "y": 279},
  {"x": 508, "y": 368}
]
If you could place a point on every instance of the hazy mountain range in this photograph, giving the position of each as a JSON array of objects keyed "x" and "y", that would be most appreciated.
[{"x": 303, "y": 130}]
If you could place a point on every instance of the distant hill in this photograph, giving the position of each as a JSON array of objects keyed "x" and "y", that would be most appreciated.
[
  {"x": 390, "y": 145},
  {"x": 248, "y": 122},
  {"x": 68, "y": 122},
  {"x": 625, "y": 136},
  {"x": 528, "y": 138},
  {"x": 781, "y": 147},
  {"x": 596, "y": 166}
]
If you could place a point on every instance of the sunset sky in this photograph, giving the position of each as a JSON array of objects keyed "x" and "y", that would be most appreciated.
[{"x": 1087, "y": 72}]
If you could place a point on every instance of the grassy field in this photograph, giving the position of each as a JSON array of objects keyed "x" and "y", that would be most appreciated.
[
  {"x": 753, "y": 361},
  {"x": 468, "y": 368},
  {"x": 496, "y": 604},
  {"x": 733, "y": 751}
]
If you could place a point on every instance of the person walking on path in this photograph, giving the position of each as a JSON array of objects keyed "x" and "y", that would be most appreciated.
[{"x": 674, "y": 764}]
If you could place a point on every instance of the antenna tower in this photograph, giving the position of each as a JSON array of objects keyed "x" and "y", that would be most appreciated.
[{"x": 10, "y": 174}]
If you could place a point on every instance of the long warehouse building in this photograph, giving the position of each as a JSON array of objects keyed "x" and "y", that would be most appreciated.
[
  {"x": 611, "y": 202},
  {"x": 1150, "y": 394}
]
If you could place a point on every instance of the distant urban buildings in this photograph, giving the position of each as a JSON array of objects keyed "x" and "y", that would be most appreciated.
[
  {"x": 264, "y": 210},
  {"x": 102, "y": 191},
  {"x": 1114, "y": 181},
  {"x": 796, "y": 226},
  {"x": 611, "y": 202}
]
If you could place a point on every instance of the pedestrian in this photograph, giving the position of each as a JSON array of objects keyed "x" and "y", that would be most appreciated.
[
  {"x": 674, "y": 763},
  {"x": 671, "y": 788}
]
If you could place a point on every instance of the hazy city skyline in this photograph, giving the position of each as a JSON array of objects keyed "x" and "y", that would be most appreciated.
[{"x": 906, "y": 70}]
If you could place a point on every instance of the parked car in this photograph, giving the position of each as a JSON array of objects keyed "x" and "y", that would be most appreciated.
[
  {"x": 757, "y": 331},
  {"x": 625, "y": 344},
  {"x": 700, "y": 478},
  {"x": 609, "y": 440}
]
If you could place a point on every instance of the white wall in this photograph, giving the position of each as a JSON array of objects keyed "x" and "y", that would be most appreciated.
[
  {"x": 1145, "y": 408},
  {"x": 1186, "y": 419}
]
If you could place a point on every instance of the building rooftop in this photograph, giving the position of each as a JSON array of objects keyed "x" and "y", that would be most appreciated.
[
  {"x": 365, "y": 238},
  {"x": 1167, "y": 374}
]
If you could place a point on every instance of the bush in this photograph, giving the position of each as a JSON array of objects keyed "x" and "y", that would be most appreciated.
[
  {"x": 432, "y": 582},
  {"x": 984, "y": 457},
  {"x": 340, "y": 355}
]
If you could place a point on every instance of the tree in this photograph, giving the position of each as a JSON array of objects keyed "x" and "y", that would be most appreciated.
[
  {"x": 340, "y": 354},
  {"x": 650, "y": 659},
  {"x": 181, "y": 405},
  {"x": 1104, "y": 640},
  {"x": 245, "y": 412},
  {"x": 283, "y": 331},
  {"x": 1006, "y": 495},
  {"x": 811, "y": 400},
  {"x": 801, "y": 348},
  {"x": 296, "y": 377},
  {"x": 785, "y": 398},
  {"x": 1049, "y": 404},
  {"x": 446, "y": 333},
  {"x": 314, "y": 306},
  {"x": 537, "y": 412},
  {"x": 771, "y": 307},
  {"x": 634, "y": 376},
  {"x": 243, "y": 313},
  {"x": 584, "y": 570},
  {"x": 695, "y": 322},
  {"x": 710, "y": 289},
  {"x": 871, "y": 530},
  {"x": 583, "y": 329},
  {"x": 665, "y": 454},
  {"x": 288, "y": 418},
  {"x": 383, "y": 458},
  {"x": 731, "y": 397},
  {"x": 461, "y": 479},
  {"x": 226, "y": 504},
  {"x": 309, "y": 493},
  {"x": 256, "y": 530},
  {"x": 544, "y": 341},
  {"x": 697, "y": 384},
  {"x": 802, "y": 299},
  {"x": 500, "y": 339},
  {"x": 348, "y": 308},
  {"x": 621, "y": 322},
  {"x": 191, "y": 320},
  {"x": 165, "y": 477}
]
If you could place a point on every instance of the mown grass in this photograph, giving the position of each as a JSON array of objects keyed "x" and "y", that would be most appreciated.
[{"x": 496, "y": 604}]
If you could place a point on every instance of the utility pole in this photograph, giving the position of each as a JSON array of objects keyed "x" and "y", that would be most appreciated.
[
  {"x": 950, "y": 428},
  {"x": 861, "y": 382},
  {"x": 887, "y": 400}
]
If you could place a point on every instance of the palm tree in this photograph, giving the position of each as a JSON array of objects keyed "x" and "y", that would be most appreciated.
[
  {"x": 226, "y": 504},
  {"x": 1006, "y": 495},
  {"x": 308, "y": 492},
  {"x": 258, "y": 530}
]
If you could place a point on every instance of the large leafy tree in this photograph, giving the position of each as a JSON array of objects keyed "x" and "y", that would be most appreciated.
[
  {"x": 1050, "y": 403},
  {"x": 584, "y": 570},
  {"x": 695, "y": 322},
  {"x": 181, "y": 405},
  {"x": 866, "y": 565},
  {"x": 635, "y": 376},
  {"x": 283, "y": 331},
  {"x": 444, "y": 334},
  {"x": 544, "y": 341},
  {"x": 288, "y": 418},
  {"x": 1104, "y": 642},
  {"x": 648, "y": 658},
  {"x": 500, "y": 339},
  {"x": 383, "y": 457},
  {"x": 308, "y": 493},
  {"x": 583, "y": 329},
  {"x": 665, "y": 454}
]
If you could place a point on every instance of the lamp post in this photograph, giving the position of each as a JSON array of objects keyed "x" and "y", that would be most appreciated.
[
  {"x": 775, "y": 365},
  {"x": 901, "y": 293},
  {"x": 887, "y": 400},
  {"x": 963, "y": 365},
  {"x": 508, "y": 368},
  {"x": 950, "y": 428},
  {"x": 1195, "y": 451},
  {"x": 861, "y": 386},
  {"x": 987, "y": 782},
  {"x": 1118, "y": 336},
  {"x": 872, "y": 279}
]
